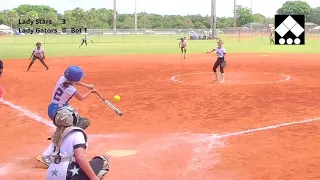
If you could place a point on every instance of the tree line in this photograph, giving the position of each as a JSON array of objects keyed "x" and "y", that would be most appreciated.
[{"x": 102, "y": 18}]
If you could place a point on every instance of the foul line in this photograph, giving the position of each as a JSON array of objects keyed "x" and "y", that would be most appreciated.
[
  {"x": 46, "y": 122},
  {"x": 206, "y": 150},
  {"x": 287, "y": 78},
  {"x": 42, "y": 120},
  {"x": 28, "y": 113},
  {"x": 264, "y": 128}
]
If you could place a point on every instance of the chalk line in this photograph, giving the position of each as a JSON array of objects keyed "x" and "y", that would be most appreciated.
[
  {"x": 203, "y": 158},
  {"x": 28, "y": 113},
  {"x": 46, "y": 122},
  {"x": 197, "y": 160},
  {"x": 264, "y": 128},
  {"x": 286, "y": 78},
  {"x": 3, "y": 170}
]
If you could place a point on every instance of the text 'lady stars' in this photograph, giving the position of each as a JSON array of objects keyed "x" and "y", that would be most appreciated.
[{"x": 37, "y": 26}]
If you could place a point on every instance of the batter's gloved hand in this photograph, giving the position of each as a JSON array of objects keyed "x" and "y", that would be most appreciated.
[{"x": 90, "y": 86}]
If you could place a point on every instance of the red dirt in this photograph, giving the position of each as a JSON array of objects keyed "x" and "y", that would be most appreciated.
[{"x": 170, "y": 123}]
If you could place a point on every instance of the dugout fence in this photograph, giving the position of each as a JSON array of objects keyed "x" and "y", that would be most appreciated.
[{"x": 146, "y": 36}]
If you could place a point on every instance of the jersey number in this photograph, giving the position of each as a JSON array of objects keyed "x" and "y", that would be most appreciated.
[{"x": 58, "y": 94}]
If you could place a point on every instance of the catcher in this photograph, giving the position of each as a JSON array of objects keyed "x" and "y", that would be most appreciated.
[
  {"x": 68, "y": 160},
  {"x": 38, "y": 53},
  {"x": 221, "y": 61}
]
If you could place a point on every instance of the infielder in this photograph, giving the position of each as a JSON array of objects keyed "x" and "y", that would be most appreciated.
[
  {"x": 38, "y": 53},
  {"x": 84, "y": 41},
  {"x": 183, "y": 47},
  {"x": 221, "y": 61},
  {"x": 68, "y": 158},
  {"x": 62, "y": 94}
]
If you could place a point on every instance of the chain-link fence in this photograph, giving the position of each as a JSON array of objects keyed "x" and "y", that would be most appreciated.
[{"x": 146, "y": 36}]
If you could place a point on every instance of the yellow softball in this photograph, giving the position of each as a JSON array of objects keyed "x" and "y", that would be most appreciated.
[{"x": 116, "y": 98}]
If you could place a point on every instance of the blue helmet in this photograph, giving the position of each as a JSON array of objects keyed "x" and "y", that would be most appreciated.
[
  {"x": 1, "y": 64},
  {"x": 74, "y": 73}
]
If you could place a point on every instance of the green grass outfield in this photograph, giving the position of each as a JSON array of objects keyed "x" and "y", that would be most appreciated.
[{"x": 15, "y": 47}]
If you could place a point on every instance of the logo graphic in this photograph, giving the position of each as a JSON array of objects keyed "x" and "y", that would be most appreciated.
[{"x": 289, "y": 30}]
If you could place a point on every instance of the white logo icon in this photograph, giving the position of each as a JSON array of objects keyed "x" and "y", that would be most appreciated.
[{"x": 289, "y": 24}]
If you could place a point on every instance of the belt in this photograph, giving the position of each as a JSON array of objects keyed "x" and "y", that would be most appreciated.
[
  {"x": 59, "y": 159},
  {"x": 59, "y": 105}
]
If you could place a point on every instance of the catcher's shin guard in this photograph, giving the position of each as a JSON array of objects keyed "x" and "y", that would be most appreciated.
[{"x": 105, "y": 168}]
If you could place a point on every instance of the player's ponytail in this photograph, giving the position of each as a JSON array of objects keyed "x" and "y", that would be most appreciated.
[{"x": 56, "y": 138}]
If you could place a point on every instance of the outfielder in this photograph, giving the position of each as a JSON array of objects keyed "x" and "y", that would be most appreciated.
[
  {"x": 63, "y": 92},
  {"x": 221, "y": 61},
  {"x": 183, "y": 47},
  {"x": 38, "y": 53},
  {"x": 69, "y": 151},
  {"x": 271, "y": 38},
  {"x": 84, "y": 41}
]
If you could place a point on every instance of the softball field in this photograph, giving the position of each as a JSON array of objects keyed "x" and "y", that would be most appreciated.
[{"x": 177, "y": 124}]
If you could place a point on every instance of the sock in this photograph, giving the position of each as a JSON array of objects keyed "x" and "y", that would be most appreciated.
[
  {"x": 222, "y": 76},
  {"x": 216, "y": 75}
]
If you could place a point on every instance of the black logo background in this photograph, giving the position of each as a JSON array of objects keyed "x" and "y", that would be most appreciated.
[{"x": 299, "y": 19}]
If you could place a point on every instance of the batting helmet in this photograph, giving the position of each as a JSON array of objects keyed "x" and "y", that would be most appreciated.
[
  {"x": 74, "y": 73},
  {"x": 38, "y": 43},
  {"x": 66, "y": 116}
]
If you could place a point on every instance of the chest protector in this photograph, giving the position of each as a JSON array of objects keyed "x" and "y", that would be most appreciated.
[{"x": 55, "y": 156}]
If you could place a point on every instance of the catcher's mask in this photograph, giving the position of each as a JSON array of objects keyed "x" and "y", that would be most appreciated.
[{"x": 66, "y": 116}]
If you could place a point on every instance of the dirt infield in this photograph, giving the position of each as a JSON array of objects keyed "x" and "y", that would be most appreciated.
[{"x": 261, "y": 124}]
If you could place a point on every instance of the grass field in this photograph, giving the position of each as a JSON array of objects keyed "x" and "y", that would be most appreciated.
[
  {"x": 61, "y": 46},
  {"x": 178, "y": 123}
]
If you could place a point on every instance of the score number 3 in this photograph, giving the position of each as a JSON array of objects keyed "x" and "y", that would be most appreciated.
[{"x": 58, "y": 94}]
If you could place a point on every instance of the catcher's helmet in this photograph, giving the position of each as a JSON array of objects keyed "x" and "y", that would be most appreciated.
[
  {"x": 66, "y": 116},
  {"x": 74, "y": 73}
]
